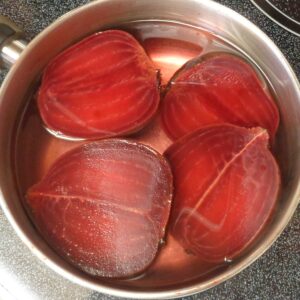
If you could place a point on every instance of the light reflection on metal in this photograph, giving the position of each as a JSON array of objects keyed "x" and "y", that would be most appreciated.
[{"x": 12, "y": 51}]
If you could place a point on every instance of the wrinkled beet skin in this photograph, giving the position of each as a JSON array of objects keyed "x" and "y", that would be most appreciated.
[
  {"x": 103, "y": 86},
  {"x": 104, "y": 206},
  {"x": 219, "y": 88},
  {"x": 226, "y": 185}
]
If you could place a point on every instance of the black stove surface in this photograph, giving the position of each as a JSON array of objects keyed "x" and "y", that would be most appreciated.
[
  {"x": 291, "y": 8},
  {"x": 284, "y": 13}
]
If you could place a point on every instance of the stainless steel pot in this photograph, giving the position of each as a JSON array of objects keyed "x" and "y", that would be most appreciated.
[{"x": 103, "y": 14}]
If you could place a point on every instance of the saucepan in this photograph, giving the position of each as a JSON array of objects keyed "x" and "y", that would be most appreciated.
[{"x": 175, "y": 19}]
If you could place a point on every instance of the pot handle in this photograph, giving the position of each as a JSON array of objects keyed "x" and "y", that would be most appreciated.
[{"x": 11, "y": 42}]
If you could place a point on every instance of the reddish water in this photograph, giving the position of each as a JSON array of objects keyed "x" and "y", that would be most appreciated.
[{"x": 169, "y": 46}]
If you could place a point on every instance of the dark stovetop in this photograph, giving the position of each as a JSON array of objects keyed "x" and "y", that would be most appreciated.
[
  {"x": 276, "y": 275},
  {"x": 290, "y": 7}
]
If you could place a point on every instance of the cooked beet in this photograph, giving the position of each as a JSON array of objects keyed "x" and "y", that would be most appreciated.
[
  {"x": 219, "y": 88},
  {"x": 104, "y": 206},
  {"x": 226, "y": 185},
  {"x": 103, "y": 86}
]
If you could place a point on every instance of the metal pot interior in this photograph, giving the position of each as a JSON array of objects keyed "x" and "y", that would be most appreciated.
[{"x": 181, "y": 20}]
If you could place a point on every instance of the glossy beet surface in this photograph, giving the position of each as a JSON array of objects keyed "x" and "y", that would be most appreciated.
[
  {"x": 218, "y": 88},
  {"x": 104, "y": 206},
  {"x": 103, "y": 86},
  {"x": 226, "y": 185}
]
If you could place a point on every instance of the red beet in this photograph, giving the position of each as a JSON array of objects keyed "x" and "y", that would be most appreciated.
[
  {"x": 226, "y": 185},
  {"x": 104, "y": 206},
  {"x": 220, "y": 88},
  {"x": 103, "y": 86}
]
